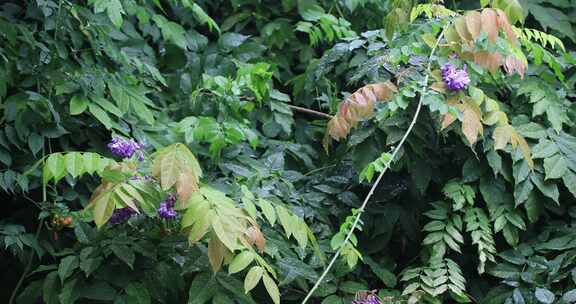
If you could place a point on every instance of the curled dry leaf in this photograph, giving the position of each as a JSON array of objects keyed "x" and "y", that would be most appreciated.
[
  {"x": 356, "y": 107},
  {"x": 256, "y": 237},
  {"x": 513, "y": 64}
]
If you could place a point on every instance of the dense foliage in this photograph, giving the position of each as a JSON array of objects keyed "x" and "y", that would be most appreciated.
[{"x": 179, "y": 151}]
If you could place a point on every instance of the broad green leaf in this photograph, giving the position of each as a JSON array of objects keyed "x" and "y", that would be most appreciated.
[
  {"x": 125, "y": 254},
  {"x": 272, "y": 288},
  {"x": 35, "y": 143},
  {"x": 171, "y": 31},
  {"x": 268, "y": 210},
  {"x": 74, "y": 164},
  {"x": 569, "y": 180},
  {"x": 512, "y": 8},
  {"x": 544, "y": 295},
  {"x": 202, "y": 289},
  {"x": 101, "y": 115},
  {"x": 138, "y": 293},
  {"x": 113, "y": 9},
  {"x": 56, "y": 167},
  {"x": 225, "y": 236},
  {"x": 555, "y": 166},
  {"x": 78, "y": 104},
  {"x": 252, "y": 278},
  {"x": 67, "y": 266},
  {"x": 241, "y": 261},
  {"x": 50, "y": 288},
  {"x": 548, "y": 188}
]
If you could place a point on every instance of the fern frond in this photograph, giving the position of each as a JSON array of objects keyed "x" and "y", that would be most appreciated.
[
  {"x": 430, "y": 10},
  {"x": 527, "y": 35},
  {"x": 478, "y": 224}
]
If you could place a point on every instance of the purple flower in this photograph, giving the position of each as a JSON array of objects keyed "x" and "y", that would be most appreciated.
[
  {"x": 166, "y": 209},
  {"x": 125, "y": 147},
  {"x": 121, "y": 215},
  {"x": 455, "y": 79}
]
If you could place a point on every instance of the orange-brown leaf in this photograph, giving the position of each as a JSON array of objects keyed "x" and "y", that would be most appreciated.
[
  {"x": 513, "y": 64},
  {"x": 471, "y": 121},
  {"x": 447, "y": 120},
  {"x": 490, "y": 24},
  {"x": 255, "y": 236},
  {"x": 504, "y": 24},
  {"x": 186, "y": 184},
  {"x": 474, "y": 24},
  {"x": 490, "y": 61},
  {"x": 439, "y": 86},
  {"x": 518, "y": 140},
  {"x": 358, "y": 106}
]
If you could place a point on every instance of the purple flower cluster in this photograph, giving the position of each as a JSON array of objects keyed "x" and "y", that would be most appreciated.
[
  {"x": 455, "y": 79},
  {"x": 125, "y": 147},
  {"x": 121, "y": 215},
  {"x": 370, "y": 299},
  {"x": 166, "y": 209}
]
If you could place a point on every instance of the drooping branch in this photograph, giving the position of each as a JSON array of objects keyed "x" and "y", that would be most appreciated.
[
  {"x": 373, "y": 188},
  {"x": 310, "y": 111}
]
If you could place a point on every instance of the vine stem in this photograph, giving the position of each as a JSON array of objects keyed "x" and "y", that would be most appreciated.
[{"x": 375, "y": 185}]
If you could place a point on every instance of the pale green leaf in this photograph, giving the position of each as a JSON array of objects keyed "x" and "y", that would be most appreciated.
[{"x": 252, "y": 278}]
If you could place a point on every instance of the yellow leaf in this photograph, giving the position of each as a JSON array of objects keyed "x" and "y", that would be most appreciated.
[
  {"x": 216, "y": 252},
  {"x": 474, "y": 24},
  {"x": 103, "y": 209},
  {"x": 501, "y": 136},
  {"x": 169, "y": 170},
  {"x": 471, "y": 124}
]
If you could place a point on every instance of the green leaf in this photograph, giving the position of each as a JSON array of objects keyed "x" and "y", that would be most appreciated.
[
  {"x": 50, "y": 288},
  {"x": 202, "y": 289},
  {"x": 5, "y": 157},
  {"x": 78, "y": 104},
  {"x": 272, "y": 288},
  {"x": 548, "y": 188},
  {"x": 125, "y": 254},
  {"x": 56, "y": 167},
  {"x": 138, "y": 293},
  {"x": 35, "y": 143},
  {"x": 252, "y": 278},
  {"x": 570, "y": 296},
  {"x": 67, "y": 266},
  {"x": 512, "y": 8},
  {"x": 555, "y": 166},
  {"x": 386, "y": 276},
  {"x": 74, "y": 163},
  {"x": 549, "y": 17},
  {"x": 241, "y": 261},
  {"x": 569, "y": 180},
  {"x": 113, "y": 8},
  {"x": 101, "y": 115},
  {"x": 171, "y": 31},
  {"x": 544, "y": 295},
  {"x": 268, "y": 210},
  {"x": 103, "y": 209}
]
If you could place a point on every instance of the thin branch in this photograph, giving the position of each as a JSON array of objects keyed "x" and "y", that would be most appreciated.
[
  {"x": 309, "y": 111},
  {"x": 363, "y": 207}
]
